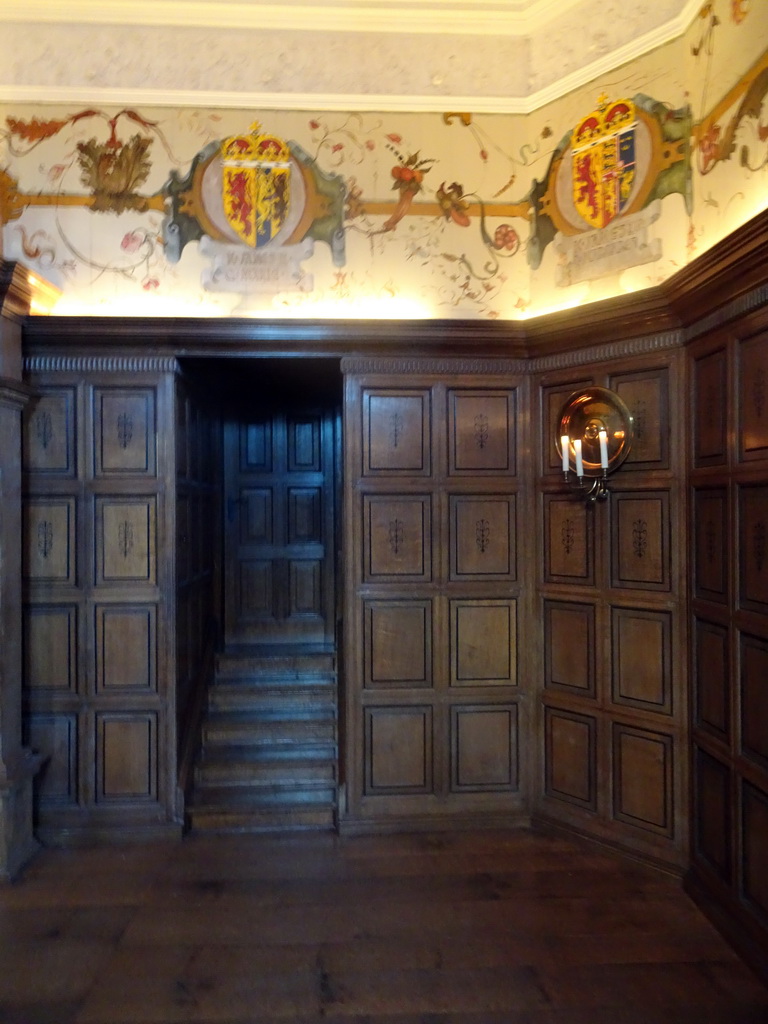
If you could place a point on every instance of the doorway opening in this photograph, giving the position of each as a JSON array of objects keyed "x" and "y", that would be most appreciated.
[{"x": 265, "y": 717}]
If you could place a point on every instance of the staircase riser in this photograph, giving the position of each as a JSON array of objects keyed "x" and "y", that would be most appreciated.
[
  {"x": 256, "y": 775},
  {"x": 252, "y": 700}
]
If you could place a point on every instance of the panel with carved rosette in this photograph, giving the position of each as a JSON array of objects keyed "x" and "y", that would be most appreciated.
[{"x": 646, "y": 395}]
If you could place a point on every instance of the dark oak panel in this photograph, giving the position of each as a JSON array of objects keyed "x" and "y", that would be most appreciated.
[
  {"x": 396, "y": 431},
  {"x": 552, "y": 401},
  {"x": 126, "y": 648},
  {"x": 304, "y": 444},
  {"x": 484, "y": 748},
  {"x": 753, "y": 397},
  {"x": 126, "y": 531},
  {"x": 126, "y": 761},
  {"x": 712, "y": 813},
  {"x": 482, "y": 544},
  {"x": 481, "y": 432},
  {"x": 640, "y": 540},
  {"x": 754, "y": 823},
  {"x": 49, "y": 540},
  {"x": 570, "y": 757},
  {"x": 55, "y": 737},
  {"x": 646, "y": 395},
  {"x": 711, "y": 678},
  {"x": 50, "y": 648},
  {"x": 397, "y": 537},
  {"x": 50, "y": 431},
  {"x": 257, "y": 515},
  {"x": 642, "y": 778},
  {"x": 753, "y": 546},
  {"x": 710, "y": 511},
  {"x": 305, "y": 590},
  {"x": 398, "y": 643},
  {"x": 483, "y": 642},
  {"x": 125, "y": 431},
  {"x": 754, "y": 698},
  {"x": 710, "y": 379},
  {"x": 569, "y": 646},
  {"x": 398, "y": 750},
  {"x": 642, "y": 659},
  {"x": 569, "y": 541}
]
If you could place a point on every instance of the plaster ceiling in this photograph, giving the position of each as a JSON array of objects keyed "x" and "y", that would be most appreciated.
[{"x": 491, "y": 54}]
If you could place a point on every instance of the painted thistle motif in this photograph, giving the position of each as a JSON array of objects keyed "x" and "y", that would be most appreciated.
[{"x": 113, "y": 171}]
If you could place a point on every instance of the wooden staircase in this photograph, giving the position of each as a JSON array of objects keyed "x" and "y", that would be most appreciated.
[{"x": 268, "y": 757}]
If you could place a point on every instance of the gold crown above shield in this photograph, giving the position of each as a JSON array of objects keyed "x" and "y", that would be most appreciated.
[{"x": 256, "y": 147}]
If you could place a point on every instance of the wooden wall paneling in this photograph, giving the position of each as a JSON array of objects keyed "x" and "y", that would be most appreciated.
[
  {"x": 398, "y": 754},
  {"x": 753, "y": 546},
  {"x": 711, "y": 566},
  {"x": 484, "y": 748},
  {"x": 483, "y": 642},
  {"x": 398, "y": 643},
  {"x": 569, "y": 541},
  {"x": 552, "y": 399},
  {"x": 640, "y": 531},
  {"x": 641, "y": 670},
  {"x": 569, "y": 647},
  {"x": 753, "y": 397},
  {"x": 646, "y": 395},
  {"x": 396, "y": 431},
  {"x": 99, "y": 694},
  {"x": 711, "y": 679},
  {"x": 730, "y": 648},
  {"x": 50, "y": 433},
  {"x": 570, "y": 757},
  {"x": 643, "y": 767},
  {"x": 481, "y": 432},
  {"x": 55, "y": 735},
  {"x": 753, "y": 698},
  {"x": 714, "y": 816},
  {"x": 431, "y": 525},
  {"x": 710, "y": 408},
  {"x": 754, "y": 851},
  {"x": 612, "y": 599}
]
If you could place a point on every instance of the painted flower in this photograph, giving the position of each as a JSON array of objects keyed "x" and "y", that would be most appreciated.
[
  {"x": 505, "y": 237},
  {"x": 452, "y": 203},
  {"x": 133, "y": 241},
  {"x": 397, "y": 139},
  {"x": 150, "y": 284}
]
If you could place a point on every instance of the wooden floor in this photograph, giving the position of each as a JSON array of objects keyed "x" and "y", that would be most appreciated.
[{"x": 488, "y": 928}]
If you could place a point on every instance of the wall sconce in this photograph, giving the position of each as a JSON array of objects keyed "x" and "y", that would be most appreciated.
[{"x": 593, "y": 439}]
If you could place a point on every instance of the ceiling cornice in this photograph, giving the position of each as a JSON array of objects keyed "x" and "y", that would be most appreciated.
[
  {"x": 433, "y": 17},
  {"x": 299, "y": 100}
]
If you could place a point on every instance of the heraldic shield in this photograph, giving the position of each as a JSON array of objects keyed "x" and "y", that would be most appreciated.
[
  {"x": 255, "y": 188},
  {"x": 604, "y": 162}
]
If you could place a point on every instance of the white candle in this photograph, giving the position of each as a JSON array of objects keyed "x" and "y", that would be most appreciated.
[
  {"x": 579, "y": 460},
  {"x": 603, "y": 449},
  {"x": 564, "y": 443}
]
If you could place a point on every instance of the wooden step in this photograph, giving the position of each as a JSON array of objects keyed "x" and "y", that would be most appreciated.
[
  {"x": 239, "y": 767},
  {"x": 251, "y": 820},
  {"x": 266, "y": 729},
  {"x": 255, "y": 694}
]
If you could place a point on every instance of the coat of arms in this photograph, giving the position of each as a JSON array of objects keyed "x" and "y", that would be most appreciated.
[
  {"x": 603, "y": 161},
  {"x": 255, "y": 189}
]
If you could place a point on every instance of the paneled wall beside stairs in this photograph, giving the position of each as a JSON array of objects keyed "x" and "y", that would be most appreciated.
[
  {"x": 99, "y": 663},
  {"x": 436, "y": 534}
]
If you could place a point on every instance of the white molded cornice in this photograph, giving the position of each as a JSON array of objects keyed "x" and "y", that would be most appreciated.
[{"x": 430, "y": 17}]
